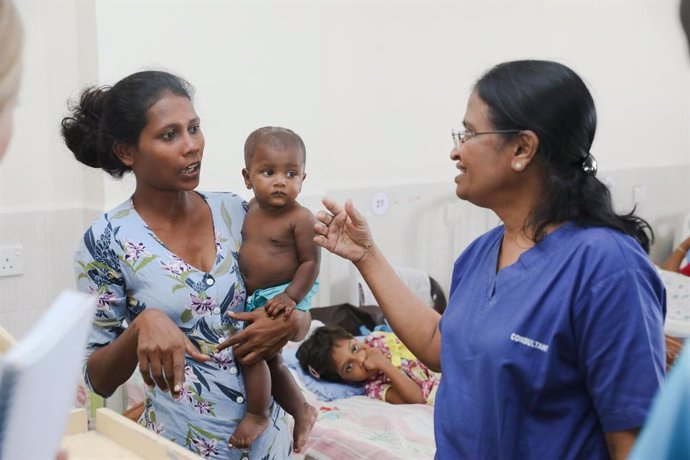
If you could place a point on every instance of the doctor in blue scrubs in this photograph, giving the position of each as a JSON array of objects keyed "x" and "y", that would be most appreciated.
[{"x": 552, "y": 344}]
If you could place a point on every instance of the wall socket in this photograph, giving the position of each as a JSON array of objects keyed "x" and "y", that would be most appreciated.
[{"x": 11, "y": 260}]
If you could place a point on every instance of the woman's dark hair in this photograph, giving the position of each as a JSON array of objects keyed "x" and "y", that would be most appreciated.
[
  {"x": 106, "y": 116},
  {"x": 551, "y": 100},
  {"x": 317, "y": 352}
]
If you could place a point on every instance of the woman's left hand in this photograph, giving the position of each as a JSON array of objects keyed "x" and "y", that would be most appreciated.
[{"x": 263, "y": 337}]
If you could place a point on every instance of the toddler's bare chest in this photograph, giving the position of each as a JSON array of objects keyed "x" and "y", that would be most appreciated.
[{"x": 268, "y": 232}]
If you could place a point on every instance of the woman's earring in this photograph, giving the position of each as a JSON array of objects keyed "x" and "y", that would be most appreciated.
[{"x": 517, "y": 166}]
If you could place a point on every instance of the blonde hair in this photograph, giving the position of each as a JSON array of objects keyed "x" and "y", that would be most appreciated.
[{"x": 10, "y": 51}]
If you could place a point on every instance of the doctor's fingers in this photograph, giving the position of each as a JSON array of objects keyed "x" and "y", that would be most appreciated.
[
  {"x": 324, "y": 218},
  {"x": 331, "y": 205}
]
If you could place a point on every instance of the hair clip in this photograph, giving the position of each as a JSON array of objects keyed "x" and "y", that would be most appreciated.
[
  {"x": 589, "y": 166},
  {"x": 313, "y": 372}
]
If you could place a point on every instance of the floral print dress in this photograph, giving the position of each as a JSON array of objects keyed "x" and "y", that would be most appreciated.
[{"x": 123, "y": 262}]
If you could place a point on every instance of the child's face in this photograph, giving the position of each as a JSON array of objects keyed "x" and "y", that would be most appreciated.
[
  {"x": 349, "y": 356},
  {"x": 275, "y": 175}
]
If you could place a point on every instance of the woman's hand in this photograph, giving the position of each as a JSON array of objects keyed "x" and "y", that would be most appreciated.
[
  {"x": 262, "y": 337},
  {"x": 161, "y": 347},
  {"x": 344, "y": 231}
]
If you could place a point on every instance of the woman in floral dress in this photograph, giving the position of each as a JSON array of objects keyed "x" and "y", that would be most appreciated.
[{"x": 164, "y": 267}]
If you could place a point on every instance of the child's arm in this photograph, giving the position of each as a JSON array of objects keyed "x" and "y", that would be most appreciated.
[
  {"x": 403, "y": 389},
  {"x": 675, "y": 259},
  {"x": 309, "y": 255}
]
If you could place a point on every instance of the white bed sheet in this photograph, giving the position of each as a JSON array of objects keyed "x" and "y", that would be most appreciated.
[{"x": 677, "y": 322}]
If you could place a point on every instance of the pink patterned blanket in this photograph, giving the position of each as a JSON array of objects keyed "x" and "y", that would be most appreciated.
[{"x": 365, "y": 428}]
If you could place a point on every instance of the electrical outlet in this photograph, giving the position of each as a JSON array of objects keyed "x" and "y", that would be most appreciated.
[{"x": 11, "y": 260}]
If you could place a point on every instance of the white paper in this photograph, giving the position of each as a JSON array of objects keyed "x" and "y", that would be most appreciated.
[{"x": 39, "y": 376}]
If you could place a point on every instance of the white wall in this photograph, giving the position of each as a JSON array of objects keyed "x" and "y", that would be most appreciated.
[
  {"x": 374, "y": 88},
  {"x": 38, "y": 172},
  {"x": 45, "y": 195}
]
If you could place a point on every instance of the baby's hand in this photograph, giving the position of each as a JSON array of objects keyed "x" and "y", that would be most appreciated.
[
  {"x": 375, "y": 359},
  {"x": 280, "y": 303}
]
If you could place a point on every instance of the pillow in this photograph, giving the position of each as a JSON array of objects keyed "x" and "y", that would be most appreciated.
[{"x": 324, "y": 390}]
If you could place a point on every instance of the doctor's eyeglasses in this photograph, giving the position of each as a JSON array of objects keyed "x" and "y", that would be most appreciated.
[{"x": 460, "y": 137}]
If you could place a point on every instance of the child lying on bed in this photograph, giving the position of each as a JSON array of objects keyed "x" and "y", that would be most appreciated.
[{"x": 391, "y": 372}]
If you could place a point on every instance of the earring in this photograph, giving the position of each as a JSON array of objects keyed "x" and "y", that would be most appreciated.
[{"x": 517, "y": 166}]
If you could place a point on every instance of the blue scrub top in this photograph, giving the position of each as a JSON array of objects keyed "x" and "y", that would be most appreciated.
[{"x": 542, "y": 358}]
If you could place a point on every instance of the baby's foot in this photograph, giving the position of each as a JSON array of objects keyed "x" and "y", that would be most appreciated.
[
  {"x": 304, "y": 422},
  {"x": 249, "y": 428}
]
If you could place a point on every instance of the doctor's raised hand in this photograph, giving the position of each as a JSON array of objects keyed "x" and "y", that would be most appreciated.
[{"x": 343, "y": 231}]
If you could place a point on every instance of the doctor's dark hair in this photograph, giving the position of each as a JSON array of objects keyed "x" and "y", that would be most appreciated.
[
  {"x": 551, "y": 100},
  {"x": 106, "y": 116},
  {"x": 317, "y": 352}
]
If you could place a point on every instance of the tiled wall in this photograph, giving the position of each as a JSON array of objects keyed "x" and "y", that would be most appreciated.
[{"x": 49, "y": 238}]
